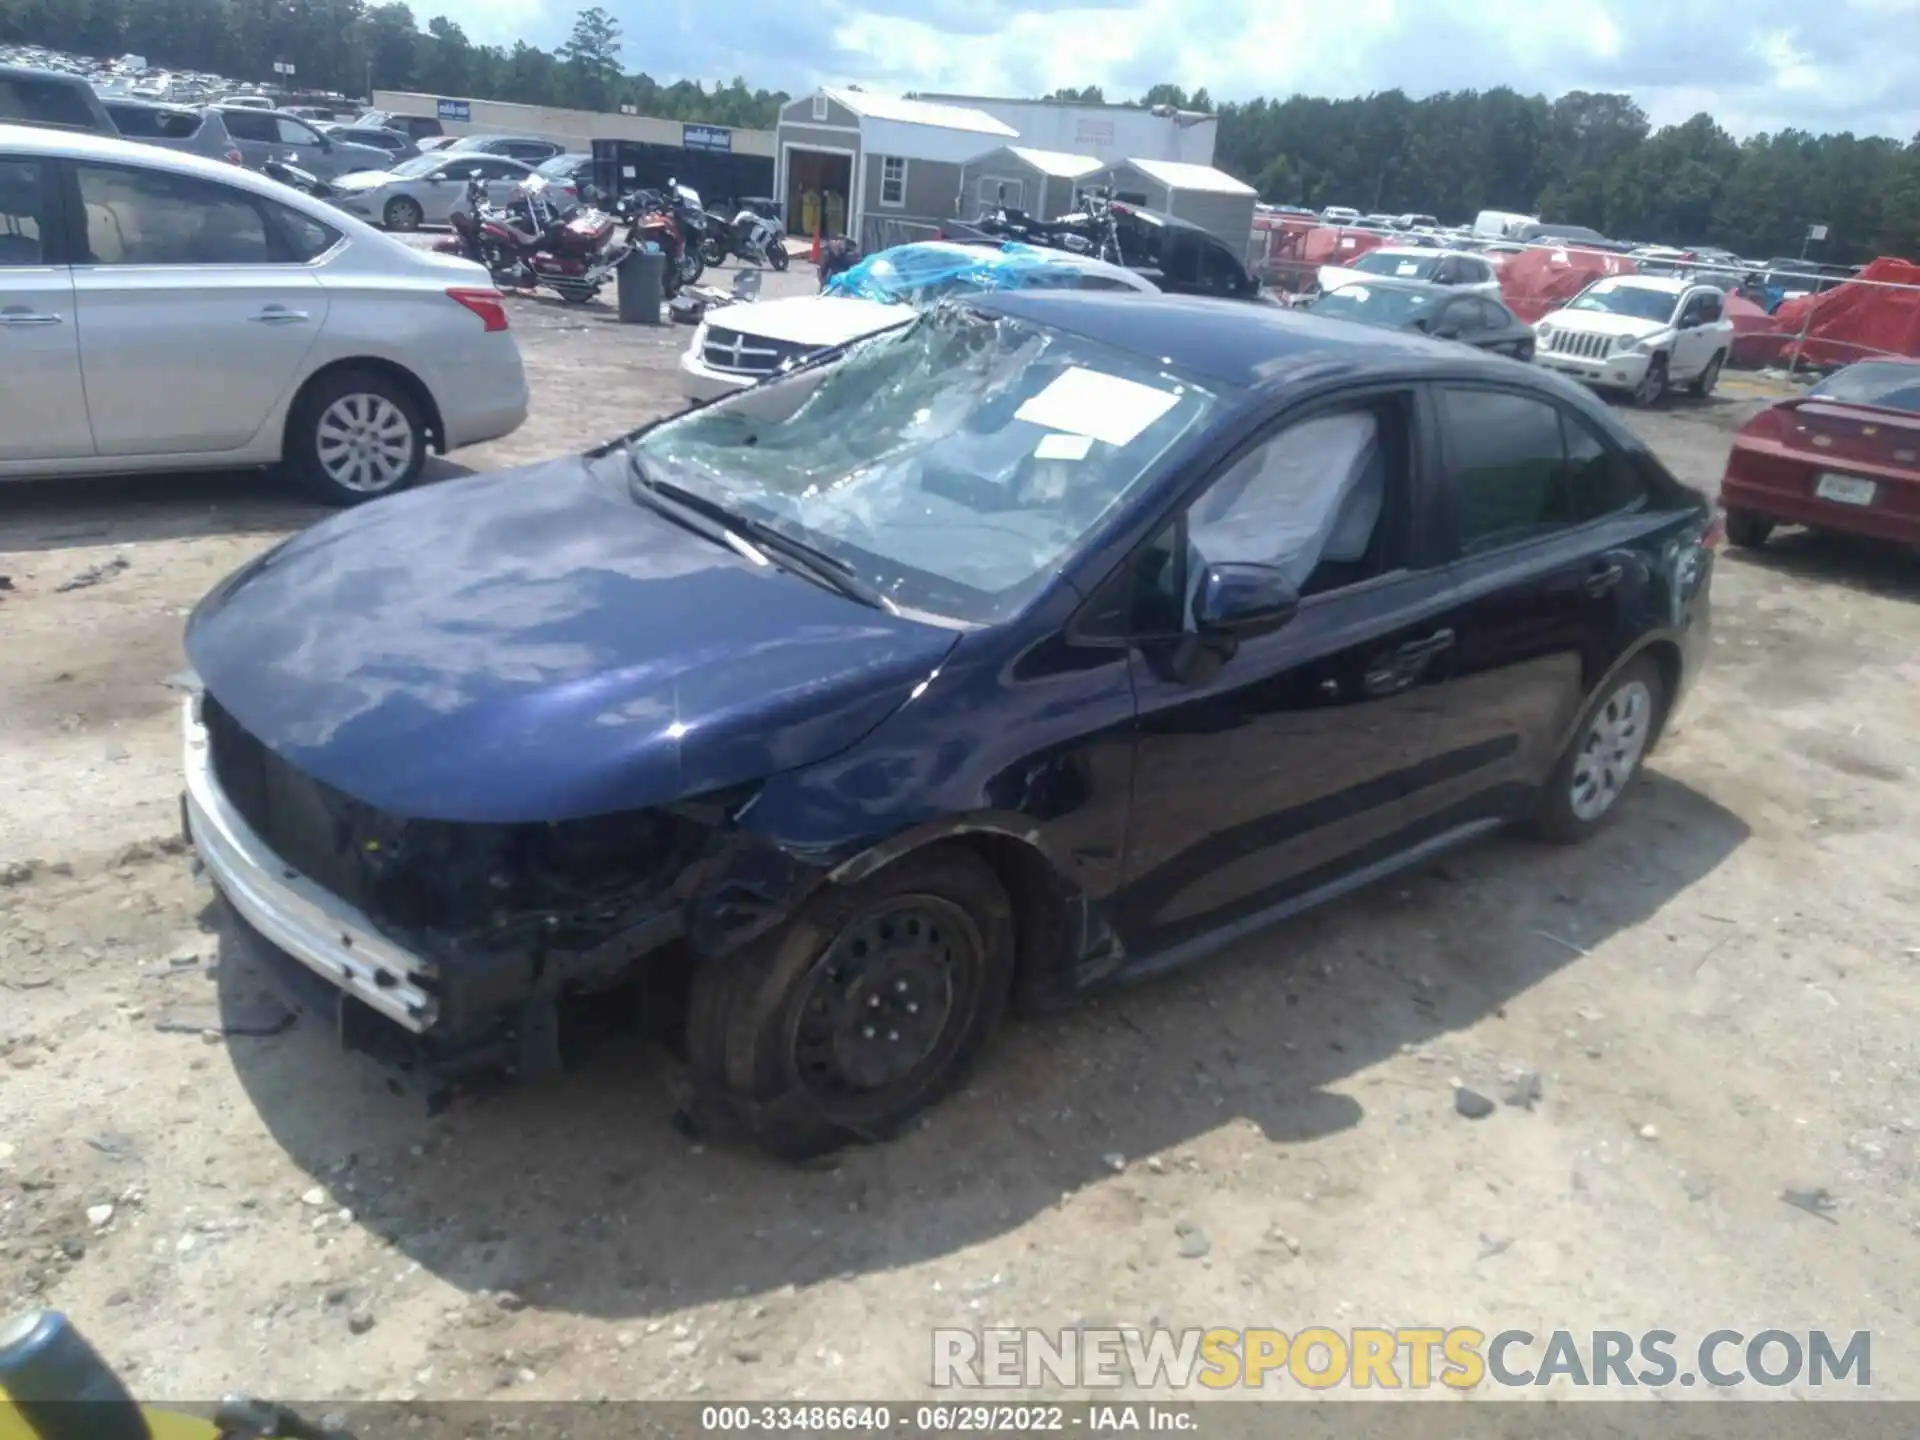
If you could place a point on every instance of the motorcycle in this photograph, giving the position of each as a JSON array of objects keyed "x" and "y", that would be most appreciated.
[
  {"x": 753, "y": 235},
  {"x": 533, "y": 242},
  {"x": 55, "y": 1386},
  {"x": 659, "y": 220}
]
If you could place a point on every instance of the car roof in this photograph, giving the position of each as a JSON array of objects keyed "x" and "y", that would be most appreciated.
[
  {"x": 36, "y": 72},
  {"x": 111, "y": 149},
  {"x": 1235, "y": 341},
  {"x": 1666, "y": 284}
]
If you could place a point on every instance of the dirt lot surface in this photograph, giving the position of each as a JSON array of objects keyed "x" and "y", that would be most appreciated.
[{"x": 1718, "y": 998}]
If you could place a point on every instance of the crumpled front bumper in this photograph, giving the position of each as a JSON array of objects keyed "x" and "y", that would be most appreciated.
[{"x": 311, "y": 925}]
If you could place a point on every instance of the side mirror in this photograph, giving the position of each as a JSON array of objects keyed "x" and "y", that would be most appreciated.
[{"x": 1240, "y": 602}]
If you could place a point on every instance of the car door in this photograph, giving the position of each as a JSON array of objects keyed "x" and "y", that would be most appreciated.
[
  {"x": 1699, "y": 335},
  {"x": 195, "y": 313},
  {"x": 1541, "y": 514},
  {"x": 254, "y": 134},
  {"x": 1269, "y": 772},
  {"x": 298, "y": 143},
  {"x": 1477, "y": 275},
  {"x": 1459, "y": 319},
  {"x": 43, "y": 403}
]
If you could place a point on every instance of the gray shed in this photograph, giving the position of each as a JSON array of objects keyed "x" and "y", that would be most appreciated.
[
  {"x": 1040, "y": 182},
  {"x": 1199, "y": 194}
]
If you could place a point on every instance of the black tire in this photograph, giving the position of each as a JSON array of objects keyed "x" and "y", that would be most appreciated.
[
  {"x": 1653, "y": 389},
  {"x": 777, "y": 255},
  {"x": 1557, "y": 817},
  {"x": 692, "y": 266},
  {"x": 1748, "y": 530},
  {"x": 1701, "y": 386},
  {"x": 713, "y": 252},
  {"x": 303, "y": 450},
  {"x": 402, "y": 213},
  {"x": 771, "y": 1030}
]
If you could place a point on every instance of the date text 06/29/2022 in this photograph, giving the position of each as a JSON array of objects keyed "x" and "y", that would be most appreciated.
[{"x": 951, "y": 1418}]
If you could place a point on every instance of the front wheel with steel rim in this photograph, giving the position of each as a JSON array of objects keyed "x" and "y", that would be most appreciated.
[
  {"x": 1605, "y": 754},
  {"x": 355, "y": 436},
  {"x": 403, "y": 213},
  {"x": 1652, "y": 388},
  {"x": 1704, "y": 382},
  {"x": 863, "y": 1009}
]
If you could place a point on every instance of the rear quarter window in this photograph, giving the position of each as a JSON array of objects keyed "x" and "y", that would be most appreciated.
[{"x": 136, "y": 122}]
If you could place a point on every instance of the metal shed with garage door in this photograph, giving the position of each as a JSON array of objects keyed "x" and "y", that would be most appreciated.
[
  {"x": 1198, "y": 194},
  {"x": 1043, "y": 183}
]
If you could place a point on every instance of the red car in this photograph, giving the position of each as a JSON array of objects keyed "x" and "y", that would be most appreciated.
[{"x": 1845, "y": 456}]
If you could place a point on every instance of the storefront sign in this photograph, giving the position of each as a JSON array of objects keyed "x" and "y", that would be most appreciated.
[
  {"x": 707, "y": 137},
  {"x": 454, "y": 110}
]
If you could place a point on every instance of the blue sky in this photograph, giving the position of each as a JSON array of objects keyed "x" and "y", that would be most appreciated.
[{"x": 1755, "y": 64}]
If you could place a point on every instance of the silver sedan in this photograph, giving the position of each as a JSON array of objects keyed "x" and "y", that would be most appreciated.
[
  {"x": 188, "y": 314},
  {"x": 426, "y": 189}
]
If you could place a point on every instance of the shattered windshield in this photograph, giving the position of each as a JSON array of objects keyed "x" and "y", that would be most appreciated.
[
  {"x": 1636, "y": 301},
  {"x": 953, "y": 464}
]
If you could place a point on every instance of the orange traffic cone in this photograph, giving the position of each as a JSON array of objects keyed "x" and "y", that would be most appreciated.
[{"x": 815, "y": 260}]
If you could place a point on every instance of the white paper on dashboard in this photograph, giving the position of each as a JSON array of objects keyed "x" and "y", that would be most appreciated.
[
  {"x": 1056, "y": 446},
  {"x": 1086, "y": 402}
]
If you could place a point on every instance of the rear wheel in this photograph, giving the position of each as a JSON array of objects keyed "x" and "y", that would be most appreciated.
[
  {"x": 355, "y": 436},
  {"x": 864, "y": 1009},
  {"x": 1604, "y": 755},
  {"x": 714, "y": 251},
  {"x": 403, "y": 213},
  {"x": 1748, "y": 530},
  {"x": 1704, "y": 382},
  {"x": 777, "y": 254}
]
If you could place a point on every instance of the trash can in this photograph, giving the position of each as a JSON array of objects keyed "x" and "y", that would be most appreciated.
[{"x": 641, "y": 279}]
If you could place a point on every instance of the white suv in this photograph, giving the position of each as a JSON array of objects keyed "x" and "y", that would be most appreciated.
[
  {"x": 159, "y": 311},
  {"x": 1639, "y": 333}
]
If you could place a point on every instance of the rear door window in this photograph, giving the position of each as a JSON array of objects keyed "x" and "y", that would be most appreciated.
[
  {"x": 22, "y": 204},
  {"x": 152, "y": 217},
  {"x": 251, "y": 125},
  {"x": 1508, "y": 467}
]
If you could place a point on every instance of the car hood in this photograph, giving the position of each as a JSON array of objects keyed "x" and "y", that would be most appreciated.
[
  {"x": 365, "y": 180},
  {"x": 813, "y": 319},
  {"x": 533, "y": 645},
  {"x": 1601, "y": 322}
]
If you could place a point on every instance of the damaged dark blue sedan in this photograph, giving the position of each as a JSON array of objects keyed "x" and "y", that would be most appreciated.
[{"x": 1048, "y": 642}]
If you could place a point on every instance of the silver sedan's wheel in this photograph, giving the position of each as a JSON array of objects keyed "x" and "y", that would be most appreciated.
[
  {"x": 366, "y": 444},
  {"x": 355, "y": 435},
  {"x": 1610, "y": 751}
]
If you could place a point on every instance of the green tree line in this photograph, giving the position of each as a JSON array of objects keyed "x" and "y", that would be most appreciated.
[{"x": 1587, "y": 159}]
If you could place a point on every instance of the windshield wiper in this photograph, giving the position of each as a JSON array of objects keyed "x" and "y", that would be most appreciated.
[{"x": 744, "y": 531}]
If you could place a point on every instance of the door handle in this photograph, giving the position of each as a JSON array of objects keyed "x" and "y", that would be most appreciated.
[
  {"x": 1420, "y": 649},
  {"x": 19, "y": 315},
  {"x": 278, "y": 315},
  {"x": 1603, "y": 579}
]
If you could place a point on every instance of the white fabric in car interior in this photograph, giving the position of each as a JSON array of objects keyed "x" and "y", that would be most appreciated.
[{"x": 1287, "y": 503}]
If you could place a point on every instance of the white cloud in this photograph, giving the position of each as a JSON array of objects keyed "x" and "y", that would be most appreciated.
[{"x": 1754, "y": 64}]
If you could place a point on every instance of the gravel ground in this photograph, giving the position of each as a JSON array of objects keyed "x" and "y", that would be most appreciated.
[{"x": 1717, "y": 998}]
